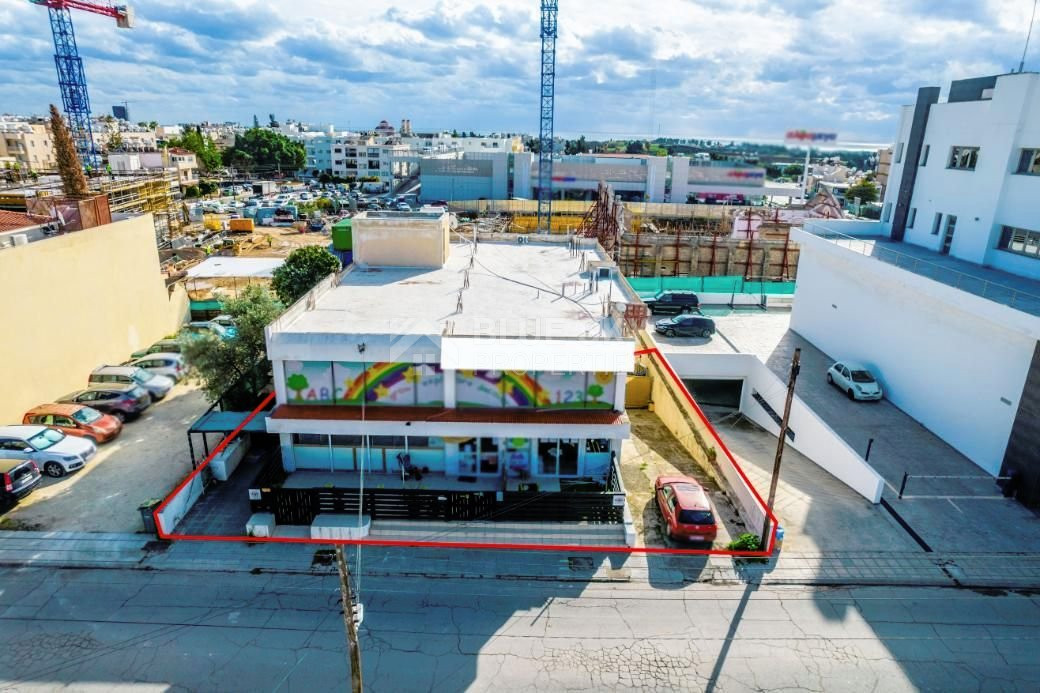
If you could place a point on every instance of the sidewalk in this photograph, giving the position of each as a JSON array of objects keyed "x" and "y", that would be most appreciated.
[{"x": 139, "y": 551}]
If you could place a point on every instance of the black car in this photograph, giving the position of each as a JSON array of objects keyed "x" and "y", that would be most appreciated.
[
  {"x": 673, "y": 302},
  {"x": 123, "y": 401},
  {"x": 17, "y": 479},
  {"x": 686, "y": 326}
]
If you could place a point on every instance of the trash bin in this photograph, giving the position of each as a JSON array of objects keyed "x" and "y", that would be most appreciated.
[
  {"x": 147, "y": 519},
  {"x": 779, "y": 536}
]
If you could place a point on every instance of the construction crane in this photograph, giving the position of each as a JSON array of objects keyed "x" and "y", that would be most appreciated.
[
  {"x": 71, "y": 79},
  {"x": 545, "y": 130}
]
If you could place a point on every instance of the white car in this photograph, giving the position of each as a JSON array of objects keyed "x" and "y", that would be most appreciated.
[
  {"x": 854, "y": 380},
  {"x": 163, "y": 363},
  {"x": 54, "y": 452}
]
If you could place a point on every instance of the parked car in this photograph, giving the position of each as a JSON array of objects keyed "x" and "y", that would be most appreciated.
[
  {"x": 223, "y": 319},
  {"x": 854, "y": 380},
  {"x": 124, "y": 402},
  {"x": 75, "y": 420},
  {"x": 673, "y": 302},
  {"x": 157, "y": 385},
  {"x": 686, "y": 326},
  {"x": 685, "y": 507},
  {"x": 170, "y": 365},
  {"x": 200, "y": 328},
  {"x": 165, "y": 346},
  {"x": 54, "y": 452},
  {"x": 17, "y": 480},
  {"x": 402, "y": 207}
]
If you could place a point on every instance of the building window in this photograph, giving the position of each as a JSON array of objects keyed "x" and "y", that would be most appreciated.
[
  {"x": 1020, "y": 241},
  {"x": 964, "y": 158},
  {"x": 924, "y": 154},
  {"x": 911, "y": 218},
  {"x": 899, "y": 153},
  {"x": 344, "y": 441},
  {"x": 886, "y": 212},
  {"x": 310, "y": 439},
  {"x": 1029, "y": 163},
  {"x": 936, "y": 223}
]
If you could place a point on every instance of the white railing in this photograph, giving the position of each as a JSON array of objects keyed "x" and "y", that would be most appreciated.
[{"x": 993, "y": 291}]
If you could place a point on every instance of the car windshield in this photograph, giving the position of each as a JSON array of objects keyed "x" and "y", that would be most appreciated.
[
  {"x": 87, "y": 415},
  {"x": 862, "y": 377},
  {"x": 140, "y": 376},
  {"x": 46, "y": 438},
  {"x": 696, "y": 517}
]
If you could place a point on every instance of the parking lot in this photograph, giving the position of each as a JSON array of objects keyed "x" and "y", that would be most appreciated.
[{"x": 147, "y": 460}]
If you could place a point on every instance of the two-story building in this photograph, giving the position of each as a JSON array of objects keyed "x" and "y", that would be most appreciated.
[{"x": 451, "y": 364}]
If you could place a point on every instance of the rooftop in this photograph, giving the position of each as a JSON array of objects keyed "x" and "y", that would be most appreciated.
[
  {"x": 221, "y": 266},
  {"x": 500, "y": 290},
  {"x": 13, "y": 221}
]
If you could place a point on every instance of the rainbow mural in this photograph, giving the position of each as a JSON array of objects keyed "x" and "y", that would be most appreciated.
[{"x": 380, "y": 384}]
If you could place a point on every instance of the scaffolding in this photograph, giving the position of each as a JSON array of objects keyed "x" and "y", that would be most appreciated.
[{"x": 144, "y": 194}]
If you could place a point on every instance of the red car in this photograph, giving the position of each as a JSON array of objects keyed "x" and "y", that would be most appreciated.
[
  {"x": 685, "y": 507},
  {"x": 75, "y": 420}
]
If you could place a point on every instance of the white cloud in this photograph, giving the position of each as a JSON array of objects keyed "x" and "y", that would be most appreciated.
[{"x": 676, "y": 67}]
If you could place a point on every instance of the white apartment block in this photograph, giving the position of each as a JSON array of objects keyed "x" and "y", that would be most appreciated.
[{"x": 942, "y": 295}]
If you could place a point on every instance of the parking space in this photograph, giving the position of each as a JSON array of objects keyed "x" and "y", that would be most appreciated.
[
  {"x": 653, "y": 451},
  {"x": 146, "y": 461}
]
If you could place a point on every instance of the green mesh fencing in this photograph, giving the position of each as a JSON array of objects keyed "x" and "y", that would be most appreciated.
[{"x": 648, "y": 286}]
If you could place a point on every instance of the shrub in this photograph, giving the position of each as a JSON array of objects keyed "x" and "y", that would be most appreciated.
[{"x": 745, "y": 542}]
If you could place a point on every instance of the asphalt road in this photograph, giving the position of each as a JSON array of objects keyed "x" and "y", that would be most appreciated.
[{"x": 170, "y": 630}]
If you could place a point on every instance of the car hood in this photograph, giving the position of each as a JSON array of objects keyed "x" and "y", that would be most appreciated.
[
  {"x": 163, "y": 381},
  {"x": 71, "y": 445}
]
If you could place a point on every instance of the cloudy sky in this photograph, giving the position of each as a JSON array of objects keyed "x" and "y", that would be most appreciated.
[{"x": 688, "y": 68}]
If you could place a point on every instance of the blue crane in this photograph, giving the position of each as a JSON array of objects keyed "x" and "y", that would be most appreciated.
[
  {"x": 71, "y": 79},
  {"x": 545, "y": 130}
]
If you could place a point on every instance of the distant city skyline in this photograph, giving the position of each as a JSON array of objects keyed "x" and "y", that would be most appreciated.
[{"x": 749, "y": 68}]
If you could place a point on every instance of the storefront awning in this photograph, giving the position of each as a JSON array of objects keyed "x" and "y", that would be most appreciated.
[{"x": 558, "y": 355}]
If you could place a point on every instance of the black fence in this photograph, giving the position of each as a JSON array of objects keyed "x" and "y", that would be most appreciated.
[{"x": 292, "y": 506}]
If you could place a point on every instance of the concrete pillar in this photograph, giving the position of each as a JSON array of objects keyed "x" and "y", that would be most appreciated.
[
  {"x": 279, "y": 381},
  {"x": 619, "y": 391},
  {"x": 449, "y": 388}
]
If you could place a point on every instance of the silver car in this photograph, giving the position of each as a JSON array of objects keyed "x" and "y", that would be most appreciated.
[
  {"x": 157, "y": 385},
  {"x": 54, "y": 452},
  {"x": 163, "y": 363}
]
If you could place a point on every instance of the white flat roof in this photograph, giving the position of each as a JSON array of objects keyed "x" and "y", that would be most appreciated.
[
  {"x": 513, "y": 291},
  {"x": 222, "y": 266},
  {"x": 537, "y": 354}
]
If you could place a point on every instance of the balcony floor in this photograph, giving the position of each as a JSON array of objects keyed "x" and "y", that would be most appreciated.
[{"x": 996, "y": 285}]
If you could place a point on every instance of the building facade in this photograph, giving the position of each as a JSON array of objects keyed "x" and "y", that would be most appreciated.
[
  {"x": 965, "y": 175},
  {"x": 445, "y": 361},
  {"x": 186, "y": 165},
  {"x": 27, "y": 143}
]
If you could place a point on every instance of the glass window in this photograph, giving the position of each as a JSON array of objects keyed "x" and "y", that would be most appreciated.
[
  {"x": 45, "y": 439},
  {"x": 862, "y": 377},
  {"x": 310, "y": 439},
  {"x": 911, "y": 218},
  {"x": 964, "y": 158},
  {"x": 924, "y": 154},
  {"x": 1020, "y": 241},
  {"x": 899, "y": 153},
  {"x": 1029, "y": 162},
  {"x": 386, "y": 441},
  {"x": 347, "y": 441},
  {"x": 696, "y": 517},
  {"x": 564, "y": 390},
  {"x": 936, "y": 223}
]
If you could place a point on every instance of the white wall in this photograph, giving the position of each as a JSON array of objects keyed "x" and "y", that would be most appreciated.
[
  {"x": 180, "y": 504},
  {"x": 953, "y": 361},
  {"x": 813, "y": 438}
]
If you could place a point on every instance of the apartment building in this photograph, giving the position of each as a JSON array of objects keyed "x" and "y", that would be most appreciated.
[
  {"x": 485, "y": 368},
  {"x": 347, "y": 154},
  {"x": 186, "y": 165},
  {"x": 942, "y": 295},
  {"x": 26, "y": 142}
]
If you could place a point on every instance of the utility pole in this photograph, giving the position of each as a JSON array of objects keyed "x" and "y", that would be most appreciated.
[
  {"x": 353, "y": 646},
  {"x": 795, "y": 367}
]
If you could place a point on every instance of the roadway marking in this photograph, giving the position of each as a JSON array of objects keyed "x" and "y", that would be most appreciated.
[{"x": 955, "y": 506}]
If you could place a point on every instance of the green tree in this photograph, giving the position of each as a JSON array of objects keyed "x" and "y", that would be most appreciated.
[
  {"x": 304, "y": 268},
  {"x": 115, "y": 142},
  {"x": 266, "y": 151},
  {"x": 207, "y": 187},
  {"x": 73, "y": 182},
  {"x": 635, "y": 147},
  {"x": 205, "y": 149},
  {"x": 793, "y": 170},
  {"x": 192, "y": 191},
  {"x": 153, "y": 124},
  {"x": 237, "y": 367},
  {"x": 297, "y": 382},
  {"x": 865, "y": 190}
]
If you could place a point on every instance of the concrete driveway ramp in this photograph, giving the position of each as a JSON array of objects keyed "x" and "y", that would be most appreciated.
[{"x": 339, "y": 526}]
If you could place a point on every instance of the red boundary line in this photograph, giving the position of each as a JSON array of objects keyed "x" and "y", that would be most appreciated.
[{"x": 654, "y": 352}]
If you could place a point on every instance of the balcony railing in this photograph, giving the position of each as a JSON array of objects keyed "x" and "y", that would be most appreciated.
[{"x": 993, "y": 291}]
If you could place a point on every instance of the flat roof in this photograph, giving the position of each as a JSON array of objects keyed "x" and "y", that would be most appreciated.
[
  {"x": 531, "y": 290},
  {"x": 223, "y": 266}
]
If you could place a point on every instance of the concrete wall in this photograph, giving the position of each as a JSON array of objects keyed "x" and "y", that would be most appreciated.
[
  {"x": 74, "y": 302},
  {"x": 181, "y": 503},
  {"x": 953, "y": 361},
  {"x": 813, "y": 438},
  {"x": 404, "y": 240}
]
